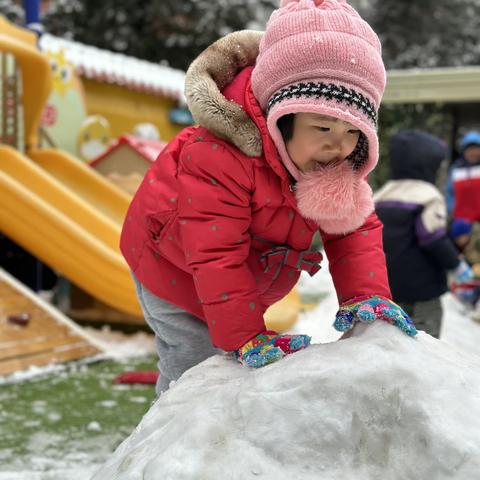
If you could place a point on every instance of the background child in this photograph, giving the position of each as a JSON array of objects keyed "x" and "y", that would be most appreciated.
[
  {"x": 466, "y": 237},
  {"x": 221, "y": 226},
  {"x": 419, "y": 252},
  {"x": 463, "y": 185},
  {"x": 463, "y": 197}
]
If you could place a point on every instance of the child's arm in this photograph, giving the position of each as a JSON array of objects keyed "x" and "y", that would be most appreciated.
[
  {"x": 357, "y": 261},
  {"x": 215, "y": 214},
  {"x": 359, "y": 272},
  {"x": 215, "y": 189}
]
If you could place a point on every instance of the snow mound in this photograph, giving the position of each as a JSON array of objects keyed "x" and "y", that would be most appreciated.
[{"x": 377, "y": 405}]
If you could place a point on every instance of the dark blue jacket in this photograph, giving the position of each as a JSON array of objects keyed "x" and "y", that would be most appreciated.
[{"x": 414, "y": 216}]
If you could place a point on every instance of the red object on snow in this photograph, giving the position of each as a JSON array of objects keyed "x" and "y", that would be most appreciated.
[{"x": 146, "y": 378}]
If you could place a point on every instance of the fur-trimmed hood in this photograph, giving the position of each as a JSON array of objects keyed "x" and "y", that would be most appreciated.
[{"x": 212, "y": 71}]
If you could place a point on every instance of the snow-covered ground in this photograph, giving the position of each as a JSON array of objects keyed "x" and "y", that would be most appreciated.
[
  {"x": 118, "y": 346},
  {"x": 378, "y": 405},
  {"x": 80, "y": 457},
  {"x": 458, "y": 330}
]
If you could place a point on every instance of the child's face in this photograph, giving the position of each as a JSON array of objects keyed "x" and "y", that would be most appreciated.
[
  {"x": 320, "y": 139},
  {"x": 472, "y": 154},
  {"x": 461, "y": 241}
]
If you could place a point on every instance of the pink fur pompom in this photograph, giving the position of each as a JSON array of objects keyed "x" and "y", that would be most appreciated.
[{"x": 334, "y": 197}]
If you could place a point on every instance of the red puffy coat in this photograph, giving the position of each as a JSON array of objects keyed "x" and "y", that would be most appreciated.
[{"x": 218, "y": 233}]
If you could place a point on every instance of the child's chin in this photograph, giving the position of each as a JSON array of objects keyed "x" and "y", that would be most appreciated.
[{"x": 320, "y": 166}]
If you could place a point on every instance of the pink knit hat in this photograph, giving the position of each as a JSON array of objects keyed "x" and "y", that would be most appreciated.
[{"x": 319, "y": 56}]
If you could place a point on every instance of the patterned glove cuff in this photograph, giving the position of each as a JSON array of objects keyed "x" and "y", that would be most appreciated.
[
  {"x": 262, "y": 338},
  {"x": 362, "y": 298}
]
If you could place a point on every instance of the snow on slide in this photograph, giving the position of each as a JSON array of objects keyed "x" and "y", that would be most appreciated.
[{"x": 377, "y": 405}]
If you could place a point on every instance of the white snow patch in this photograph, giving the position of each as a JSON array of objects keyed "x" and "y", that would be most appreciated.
[
  {"x": 458, "y": 329},
  {"x": 138, "y": 399},
  {"x": 39, "y": 406},
  {"x": 34, "y": 371},
  {"x": 94, "y": 427},
  {"x": 120, "y": 346},
  {"x": 108, "y": 403},
  {"x": 318, "y": 322},
  {"x": 45, "y": 462},
  {"x": 32, "y": 423},
  {"x": 377, "y": 405},
  {"x": 54, "y": 416},
  {"x": 116, "y": 68}
]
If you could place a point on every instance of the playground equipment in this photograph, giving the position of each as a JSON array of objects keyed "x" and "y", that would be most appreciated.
[
  {"x": 64, "y": 230},
  {"x": 127, "y": 160},
  {"x": 125, "y": 91},
  {"x": 33, "y": 333},
  {"x": 53, "y": 205}
]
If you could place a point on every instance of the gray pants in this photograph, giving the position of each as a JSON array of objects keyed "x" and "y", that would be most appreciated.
[
  {"x": 426, "y": 316},
  {"x": 182, "y": 340}
]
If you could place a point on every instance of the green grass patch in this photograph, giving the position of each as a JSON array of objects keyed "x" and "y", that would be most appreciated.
[{"x": 72, "y": 415}]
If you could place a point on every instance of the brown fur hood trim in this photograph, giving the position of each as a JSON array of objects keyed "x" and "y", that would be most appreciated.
[{"x": 212, "y": 70}]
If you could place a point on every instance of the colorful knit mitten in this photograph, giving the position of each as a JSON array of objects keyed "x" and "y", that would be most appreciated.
[
  {"x": 268, "y": 347},
  {"x": 462, "y": 273},
  {"x": 369, "y": 309}
]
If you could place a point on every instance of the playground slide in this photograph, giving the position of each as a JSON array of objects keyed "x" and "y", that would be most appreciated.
[
  {"x": 85, "y": 182},
  {"x": 73, "y": 228}
]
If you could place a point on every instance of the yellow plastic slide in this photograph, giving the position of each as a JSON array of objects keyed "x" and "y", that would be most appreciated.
[
  {"x": 64, "y": 230},
  {"x": 85, "y": 182},
  {"x": 57, "y": 208}
]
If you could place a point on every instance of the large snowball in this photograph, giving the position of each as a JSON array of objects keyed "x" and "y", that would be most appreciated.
[{"x": 378, "y": 405}]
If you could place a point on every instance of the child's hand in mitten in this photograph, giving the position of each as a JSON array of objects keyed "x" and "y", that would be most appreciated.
[
  {"x": 462, "y": 273},
  {"x": 268, "y": 347},
  {"x": 369, "y": 309}
]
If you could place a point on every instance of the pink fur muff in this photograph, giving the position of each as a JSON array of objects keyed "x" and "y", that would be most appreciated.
[{"x": 335, "y": 197}]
